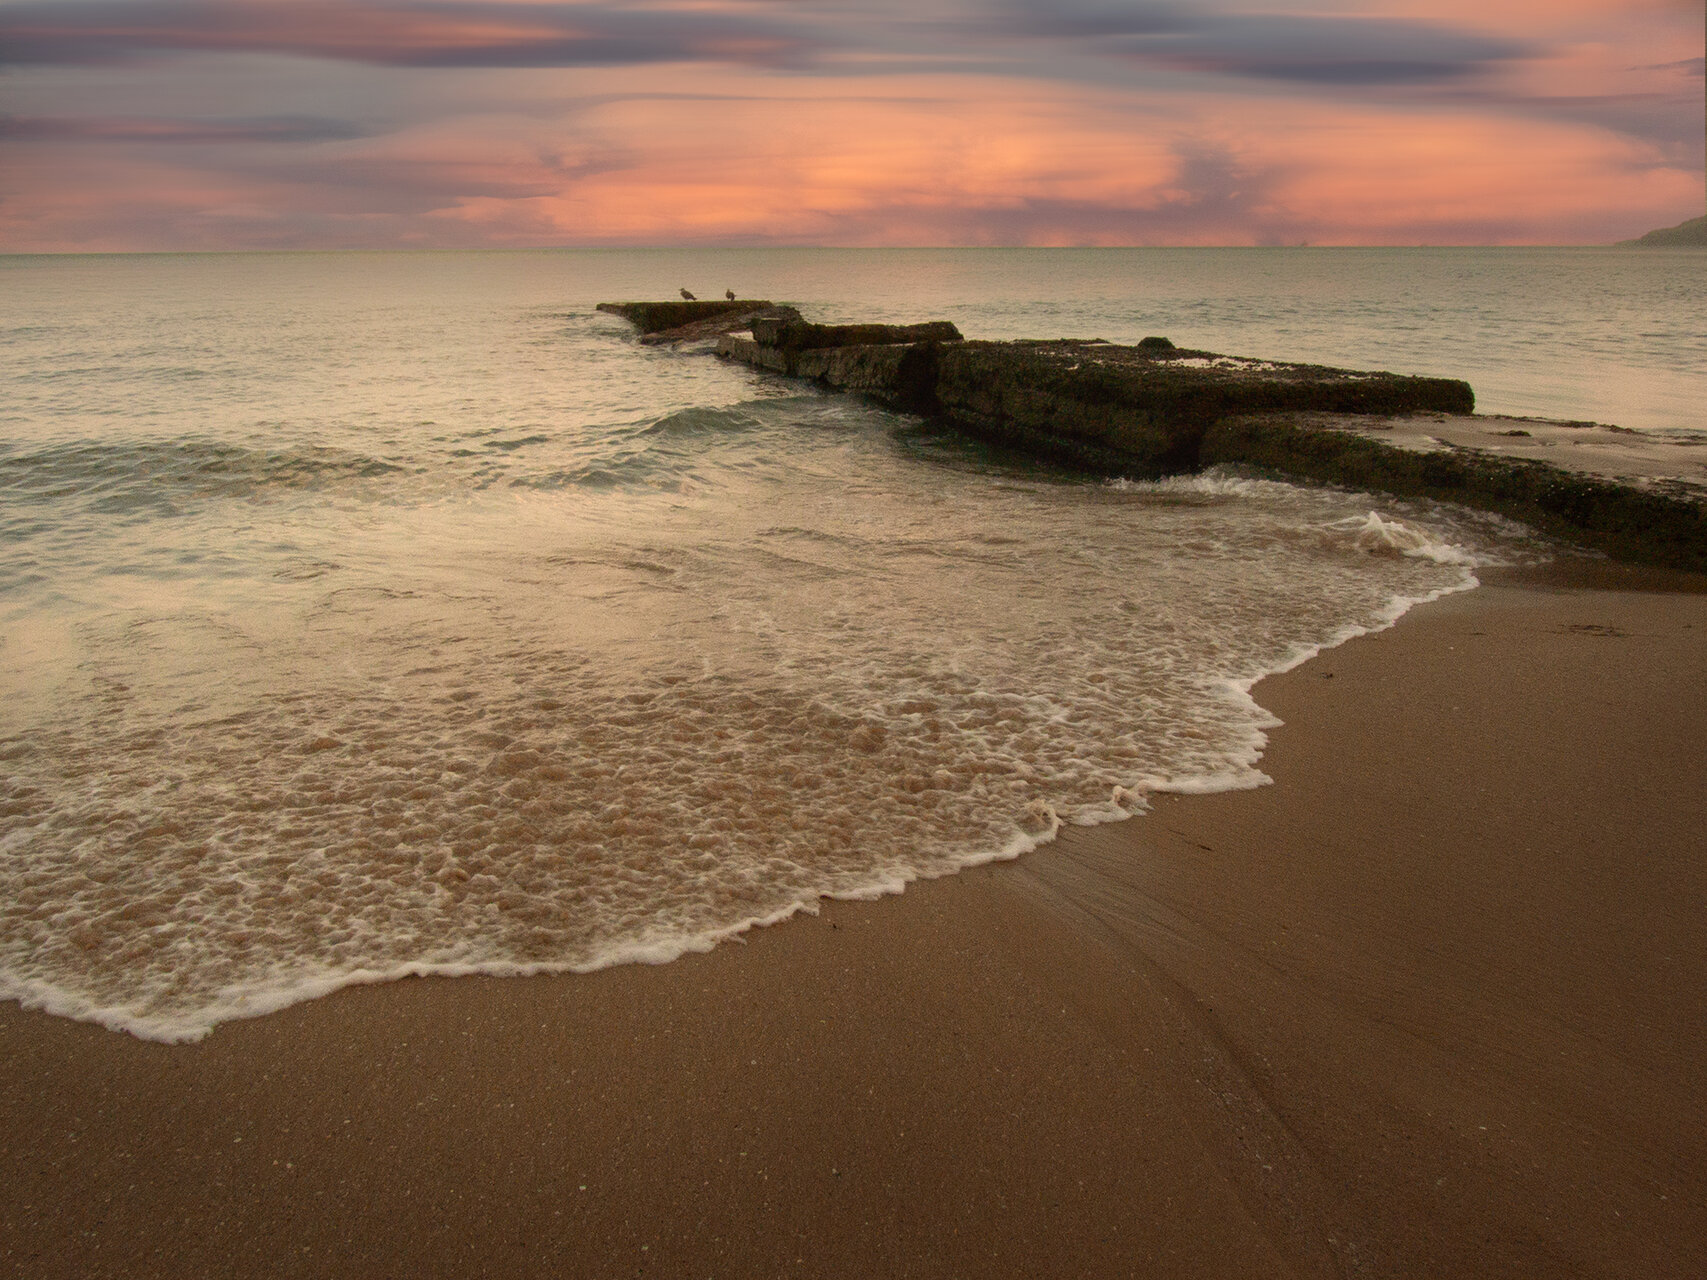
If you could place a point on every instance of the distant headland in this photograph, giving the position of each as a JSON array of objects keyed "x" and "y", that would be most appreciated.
[{"x": 1693, "y": 232}]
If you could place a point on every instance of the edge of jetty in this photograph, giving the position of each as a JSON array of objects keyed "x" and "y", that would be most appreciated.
[
  {"x": 1155, "y": 409},
  {"x": 685, "y": 321}
]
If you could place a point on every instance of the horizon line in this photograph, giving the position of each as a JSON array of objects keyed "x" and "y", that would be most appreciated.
[{"x": 1634, "y": 242}]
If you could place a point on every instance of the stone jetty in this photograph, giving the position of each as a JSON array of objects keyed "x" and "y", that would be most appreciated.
[{"x": 1156, "y": 409}]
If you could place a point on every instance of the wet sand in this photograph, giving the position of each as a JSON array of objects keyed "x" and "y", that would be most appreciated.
[{"x": 1433, "y": 1004}]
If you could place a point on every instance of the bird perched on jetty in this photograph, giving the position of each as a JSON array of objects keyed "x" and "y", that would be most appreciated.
[
  {"x": 730, "y": 294},
  {"x": 689, "y": 296}
]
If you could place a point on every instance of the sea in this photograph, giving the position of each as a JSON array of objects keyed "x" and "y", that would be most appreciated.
[{"x": 374, "y": 615}]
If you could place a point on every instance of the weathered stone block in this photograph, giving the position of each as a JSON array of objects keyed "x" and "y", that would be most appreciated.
[{"x": 801, "y": 335}]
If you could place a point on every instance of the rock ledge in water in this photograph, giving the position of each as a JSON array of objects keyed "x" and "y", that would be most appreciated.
[
  {"x": 1155, "y": 409},
  {"x": 795, "y": 334}
]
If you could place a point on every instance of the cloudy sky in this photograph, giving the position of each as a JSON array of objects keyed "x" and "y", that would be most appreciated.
[{"x": 235, "y": 124}]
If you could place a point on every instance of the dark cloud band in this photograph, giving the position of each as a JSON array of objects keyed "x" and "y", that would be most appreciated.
[
  {"x": 145, "y": 129},
  {"x": 462, "y": 33},
  {"x": 1325, "y": 51},
  {"x": 452, "y": 33}
]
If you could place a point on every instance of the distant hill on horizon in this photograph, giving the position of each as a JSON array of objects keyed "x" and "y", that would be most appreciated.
[{"x": 1692, "y": 232}]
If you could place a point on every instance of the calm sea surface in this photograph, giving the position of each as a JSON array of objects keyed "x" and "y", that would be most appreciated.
[{"x": 364, "y": 615}]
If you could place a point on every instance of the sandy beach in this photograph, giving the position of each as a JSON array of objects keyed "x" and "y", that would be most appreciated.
[{"x": 1430, "y": 1005}]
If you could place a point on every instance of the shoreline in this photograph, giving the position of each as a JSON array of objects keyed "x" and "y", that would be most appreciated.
[
  {"x": 268, "y": 1000},
  {"x": 1428, "y": 1005}
]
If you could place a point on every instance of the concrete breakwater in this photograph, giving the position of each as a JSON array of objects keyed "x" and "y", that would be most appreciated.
[{"x": 1155, "y": 409}]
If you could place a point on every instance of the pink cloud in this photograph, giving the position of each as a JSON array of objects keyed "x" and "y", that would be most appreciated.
[{"x": 520, "y": 123}]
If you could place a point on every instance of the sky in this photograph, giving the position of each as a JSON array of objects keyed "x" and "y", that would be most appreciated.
[{"x": 374, "y": 124}]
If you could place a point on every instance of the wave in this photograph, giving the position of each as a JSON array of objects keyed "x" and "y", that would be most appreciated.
[
  {"x": 152, "y": 477},
  {"x": 706, "y": 422},
  {"x": 467, "y": 728},
  {"x": 668, "y": 453},
  {"x": 1393, "y": 537}
]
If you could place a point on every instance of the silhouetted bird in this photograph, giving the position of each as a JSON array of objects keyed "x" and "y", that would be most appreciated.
[
  {"x": 689, "y": 296},
  {"x": 730, "y": 294}
]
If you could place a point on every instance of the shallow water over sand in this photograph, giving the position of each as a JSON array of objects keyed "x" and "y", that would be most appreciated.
[{"x": 367, "y": 616}]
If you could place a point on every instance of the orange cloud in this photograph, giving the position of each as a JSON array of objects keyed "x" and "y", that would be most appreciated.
[
  {"x": 987, "y": 165},
  {"x": 688, "y": 123},
  {"x": 842, "y": 169},
  {"x": 1388, "y": 178}
]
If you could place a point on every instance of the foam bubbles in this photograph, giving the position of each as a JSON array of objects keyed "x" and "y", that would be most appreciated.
[
  {"x": 554, "y": 725},
  {"x": 1393, "y": 537}
]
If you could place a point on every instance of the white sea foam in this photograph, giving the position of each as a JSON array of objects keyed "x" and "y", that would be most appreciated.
[
  {"x": 478, "y": 689},
  {"x": 1394, "y": 537},
  {"x": 1226, "y": 362},
  {"x": 613, "y": 751}
]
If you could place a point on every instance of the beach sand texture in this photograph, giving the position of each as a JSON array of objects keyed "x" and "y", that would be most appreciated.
[{"x": 1430, "y": 1005}]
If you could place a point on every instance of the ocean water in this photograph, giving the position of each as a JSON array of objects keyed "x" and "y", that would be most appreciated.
[{"x": 370, "y": 615}]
